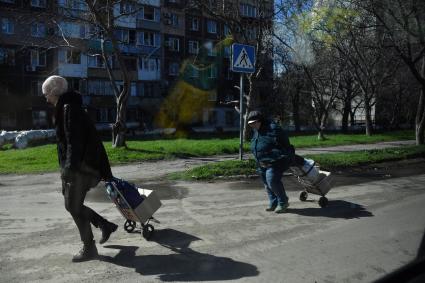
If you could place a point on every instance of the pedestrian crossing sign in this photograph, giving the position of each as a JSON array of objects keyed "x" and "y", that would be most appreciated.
[{"x": 243, "y": 58}]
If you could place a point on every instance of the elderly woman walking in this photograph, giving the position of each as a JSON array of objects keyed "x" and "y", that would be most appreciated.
[
  {"x": 82, "y": 159},
  {"x": 272, "y": 152}
]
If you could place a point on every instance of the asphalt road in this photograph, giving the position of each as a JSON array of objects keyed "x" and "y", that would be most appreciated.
[{"x": 219, "y": 231}]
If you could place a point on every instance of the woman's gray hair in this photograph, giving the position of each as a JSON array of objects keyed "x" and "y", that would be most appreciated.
[{"x": 54, "y": 85}]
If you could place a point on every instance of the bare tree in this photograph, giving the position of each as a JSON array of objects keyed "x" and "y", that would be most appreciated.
[
  {"x": 103, "y": 17},
  {"x": 256, "y": 29},
  {"x": 325, "y": 78},
  {"x": 369, "y": 64},
  {"x": 403, "y": 25},
  {"x": 349, "y": 91}
]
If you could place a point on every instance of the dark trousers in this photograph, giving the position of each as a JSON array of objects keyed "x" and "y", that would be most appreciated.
[{"x": 74, "y": 193}]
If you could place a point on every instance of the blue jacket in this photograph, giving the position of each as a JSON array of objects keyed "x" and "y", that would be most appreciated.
[{"x": 270, "y": 146}]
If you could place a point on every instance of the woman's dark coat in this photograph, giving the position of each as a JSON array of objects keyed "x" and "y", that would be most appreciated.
[{"x": 80, "y": 149}]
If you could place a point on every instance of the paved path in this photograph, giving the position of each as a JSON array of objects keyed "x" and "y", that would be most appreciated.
[
  {"x": 151, "y": 170},
  {"x": 218, "y": 231}
]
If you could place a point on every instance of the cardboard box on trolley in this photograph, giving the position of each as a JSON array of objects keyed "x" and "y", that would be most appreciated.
[
  {"x": 143, "y": 211},
  {"x": 136, "y": 204},
  {"x": 148, "y": 206}
]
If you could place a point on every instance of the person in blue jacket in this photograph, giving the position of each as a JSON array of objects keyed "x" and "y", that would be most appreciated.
[{"x": 273, "y": 152}]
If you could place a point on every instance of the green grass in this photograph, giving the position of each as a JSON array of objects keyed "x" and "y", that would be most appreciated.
[
  {"x": 326, "y": 162},
  {"x": 43, "y": 158}
]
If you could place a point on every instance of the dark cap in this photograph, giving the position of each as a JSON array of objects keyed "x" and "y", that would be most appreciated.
[{"x": 254, "y": 116}]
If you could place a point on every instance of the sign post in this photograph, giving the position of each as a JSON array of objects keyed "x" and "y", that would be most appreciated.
[{"x": 243, "y": 61}]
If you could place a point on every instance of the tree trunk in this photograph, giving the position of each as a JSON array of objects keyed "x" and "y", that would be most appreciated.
[
  {"x": 296, "y": 111},
  {"x": 345, "y": 115},
  {"x": 322, "y": 127},
  {"x": 368, "y": 118},
  {"x": 320, "y": 135},
  {"x": 420, "y": 114},
  {"x": 119, "y": 129},
  {"x": 420, "y": 119}
]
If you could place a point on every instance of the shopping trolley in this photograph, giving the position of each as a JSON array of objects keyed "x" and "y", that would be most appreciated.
[
  {"x": 135, "y": 205},
  {"x": 313, "y": 180}
]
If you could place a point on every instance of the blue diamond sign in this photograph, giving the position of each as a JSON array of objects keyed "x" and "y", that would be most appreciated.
[{"x": 243, "y": 58}]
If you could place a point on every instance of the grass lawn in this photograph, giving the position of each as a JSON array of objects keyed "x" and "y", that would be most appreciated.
[
  {"x": 43, "y": 158},
  {"x": 326, "y": 162}
]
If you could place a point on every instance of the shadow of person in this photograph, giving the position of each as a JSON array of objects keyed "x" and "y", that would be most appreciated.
[
  {"x": 184, "y": 264},
  {"x": 334, "y": 209}
]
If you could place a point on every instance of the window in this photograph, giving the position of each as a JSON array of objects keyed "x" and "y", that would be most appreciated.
[
  {"x": 8, "y": 119},
  {"x": 174, "y": 20},
  {"x": 173, "y": 69},
  {"x": 95, "y": 62},
  {"x": 36, "y": 88},
  {"x": 73, "y": 30},
  {"x": 125, "y": 36},
  {"x": 195, "y": 72},
  {"x": 39, "y": 119},
  {"x": 149, "y": 65},
  {"x": 147, "y": 89},
  {"x": 38, "y": 3},
  {"x": 149, "y": 13},
  {"x": 132, "y": 37},
  {"x": 69, "y": 56},
  {"x": 131, "y": 64},
  {"x": 173, "y": 44},
  {"x": 99, "y": 87},
  {"x": 226, "y": 30},
  {"x": 7, "y": 56},
  {"x": 229, "y": 74},
  {"x": 251, "y": 33},
  {"x": 7, "y": 26},
  {"x": 121, "y": 35},
  {"x": 194, "y": 24},
  {"x": 211, "y": 26},
  {"x": 126, "y": 8},
  {"x": 226, "y": 51},
  {"x": 73, "y": 57},
  {"x": 212, "y": 72},
  {"x": 210, "y": 47},
  {"x": 102, "y": 115},
  {"x": 212, "y": 117},
  {"x": 248, "y": 10},
  {"x": 148, "y": 38},
  {"x": 38, "y": 30},
  {"x": 73, "y": 4},
  {"x": 38, "y": 58},
  {"x": 193, "y": 47},
  {"x": 229, "y": 118}
]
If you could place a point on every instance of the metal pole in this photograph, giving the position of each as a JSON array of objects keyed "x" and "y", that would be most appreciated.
[{"x": 241, "y": 123}]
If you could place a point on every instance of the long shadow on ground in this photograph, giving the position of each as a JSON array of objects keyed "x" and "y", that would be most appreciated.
[
  {"x": 334, "y": 209},
  {"x": 183, "y": 264}
]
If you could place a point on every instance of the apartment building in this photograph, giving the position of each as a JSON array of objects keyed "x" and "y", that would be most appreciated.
[{"x": 170, "y": 48}]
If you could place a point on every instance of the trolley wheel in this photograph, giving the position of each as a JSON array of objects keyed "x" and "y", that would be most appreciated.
[
  {"x": 148, "y": 231},
  {"x": 129, "y": 226},
  {"x": 303, "y": 196},
  {"x": 323, "y": 201}
]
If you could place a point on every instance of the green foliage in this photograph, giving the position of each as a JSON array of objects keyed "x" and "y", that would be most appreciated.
[
  {"x": 218, "y": 169},
  {"x": 44, "y": 158},
  {"x": 326, "y": 161},
  {"x": 327, "y": 23},
  {"x": 350, "y": 159}
]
